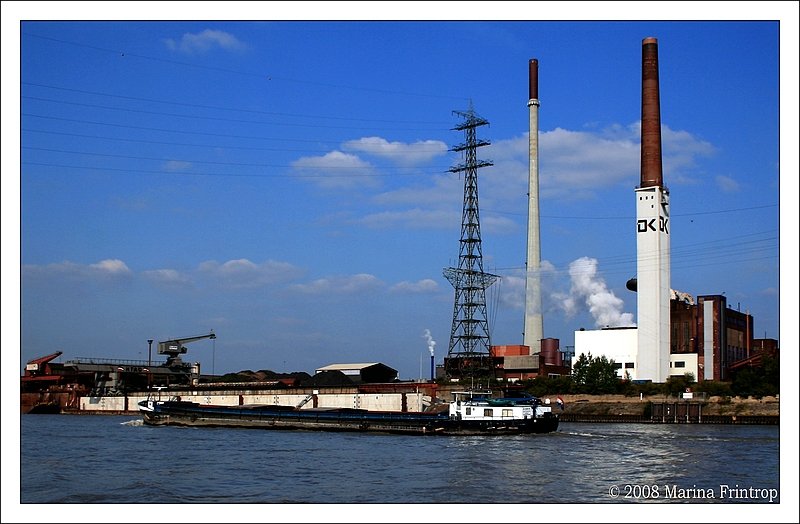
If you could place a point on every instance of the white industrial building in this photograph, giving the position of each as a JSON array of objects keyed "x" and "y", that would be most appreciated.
[{"x": 621, "y": 346}]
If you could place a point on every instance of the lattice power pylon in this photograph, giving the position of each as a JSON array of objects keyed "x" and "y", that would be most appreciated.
[{"x": 469, "y": 354}]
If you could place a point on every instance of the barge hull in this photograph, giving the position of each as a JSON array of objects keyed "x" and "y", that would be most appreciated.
[{"x": 191, "y": 414}]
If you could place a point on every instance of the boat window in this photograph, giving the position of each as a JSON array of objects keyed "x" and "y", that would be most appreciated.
[
  {"x": 487, "y": 412},
  {"x": 508, "y": 413},
  {"x": 469, "y": 411}
]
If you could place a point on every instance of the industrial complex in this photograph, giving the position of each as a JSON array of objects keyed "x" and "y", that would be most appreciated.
[{"x": 675, "y": 332}]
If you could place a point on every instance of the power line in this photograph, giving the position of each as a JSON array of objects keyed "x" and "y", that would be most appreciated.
[
  {"x": 631, "y": 217},
  {"x": 716, "y": 251},
  {"x": 236, "y": 109},
  {"x": 91, "y": 153},
  {"x": 164, "y": 143},
  {"x": 143, "y": 128},
  {"x": 303, "y": 173},
  {"x": 219, "y": 119},
  {"x": 194, "y": 161},
  {"x": 261, "y": 76}
]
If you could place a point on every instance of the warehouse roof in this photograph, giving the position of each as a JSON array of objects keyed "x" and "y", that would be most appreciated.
[
  {"x": 363, "y": 372},
  {"x": 341, "y": 367}
]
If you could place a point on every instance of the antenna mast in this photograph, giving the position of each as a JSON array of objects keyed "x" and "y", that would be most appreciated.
[{"x": 469, "y": 354}]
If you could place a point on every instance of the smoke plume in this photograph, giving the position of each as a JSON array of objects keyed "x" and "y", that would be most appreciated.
[
  {"x": 429, "y": 338},
  {"x": 590, "y": 289}
]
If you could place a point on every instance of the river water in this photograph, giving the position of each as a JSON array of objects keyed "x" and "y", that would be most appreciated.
[{"x": 100, "y": 459}]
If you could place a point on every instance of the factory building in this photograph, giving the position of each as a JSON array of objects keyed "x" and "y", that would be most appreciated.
[
  {"x": 369, "y": 372},
  {"x": 520, "y": 362},
  {"x": 716, "y": 334},
  {"x": 617, "y": 344},
  {"x": 707, "y": 339}
]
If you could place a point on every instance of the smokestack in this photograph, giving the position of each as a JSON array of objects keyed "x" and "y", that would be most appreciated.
[
  {"x": 533, "y": 79},
  {"x": 652, "y": 282},
  {"x": 533, "y": 333},
  {"x": 651, "y": 116},
  {"x": 431, "y": 346}
]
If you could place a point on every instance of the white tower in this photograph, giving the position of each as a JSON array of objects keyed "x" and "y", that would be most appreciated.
[
  {"x": 652, "y": 233},
  {"x": 533, "y": 293}
]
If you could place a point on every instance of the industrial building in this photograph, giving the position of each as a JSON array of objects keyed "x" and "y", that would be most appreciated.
[
  {"x": 718, "y": 337},
  {"x": 117, "y": 385},
  {"x": 707, "y": 339},
  {"x": 54, "y": 385},
  {"x": 519, "y": 362},
  {"x": 369, "y": 372}
]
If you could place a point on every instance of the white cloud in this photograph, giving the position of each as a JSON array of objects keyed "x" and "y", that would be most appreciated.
[
  {"x": 204, "y": 41},
  {"x": 496, "y": 224},
  {"x": 109, "y": 268},
  {"x": 112, "y": 267},
  {"x": 426, "y": 285},
  {"x": 234, "y": 274},
  {"x": 446, "y": 191},
  {"x": 575, "y": 164},
  {"x": 340, "y": 285},
  {"x": 681, "y": 150},
  {"x": 512, "y": 292},
  {"x": 243, "y": 273},
  {"x": 400, "y": 153},
  {"x": 336, "y": 170},
  {"x": 511, "y": 288},
  {"x": 166, "y": 276},
  {"x": 727, "y": 184},
  {"x": 578, "y": 161},
  {"x": 176, "y": 165}
]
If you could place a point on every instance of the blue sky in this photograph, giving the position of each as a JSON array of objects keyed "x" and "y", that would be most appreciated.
[{"x": 286, "y": 183}]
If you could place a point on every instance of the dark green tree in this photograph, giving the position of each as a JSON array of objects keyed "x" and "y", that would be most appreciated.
[
  {"x": 760, "y": 381},
  {"x": 676, "y": 385},
  {"x": 595, "y": 375},
  {"x": 602, "y": 376},
  {"x": 580, "y": 371},
  {"x": 542, "y": 386},
  {"x": 714, "y": 388}
]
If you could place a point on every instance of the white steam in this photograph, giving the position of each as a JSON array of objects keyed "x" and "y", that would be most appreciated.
[
  {"x": 429, "y": 338},
  {"x": 590, "y": 289}
]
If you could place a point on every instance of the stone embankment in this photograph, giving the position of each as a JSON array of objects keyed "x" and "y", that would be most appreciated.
[{"x": 619, "y": 408}]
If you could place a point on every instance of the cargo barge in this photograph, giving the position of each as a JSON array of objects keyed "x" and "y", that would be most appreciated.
[{"x": 469, "y": 413}]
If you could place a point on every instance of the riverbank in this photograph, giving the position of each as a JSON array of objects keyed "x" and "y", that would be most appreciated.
[
  {"x": 577, "y": 408},
  {"x": 661, "y": 408}
]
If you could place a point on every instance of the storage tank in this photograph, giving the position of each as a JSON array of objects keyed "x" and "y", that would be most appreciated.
[{"x": 551, "y": 353}]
